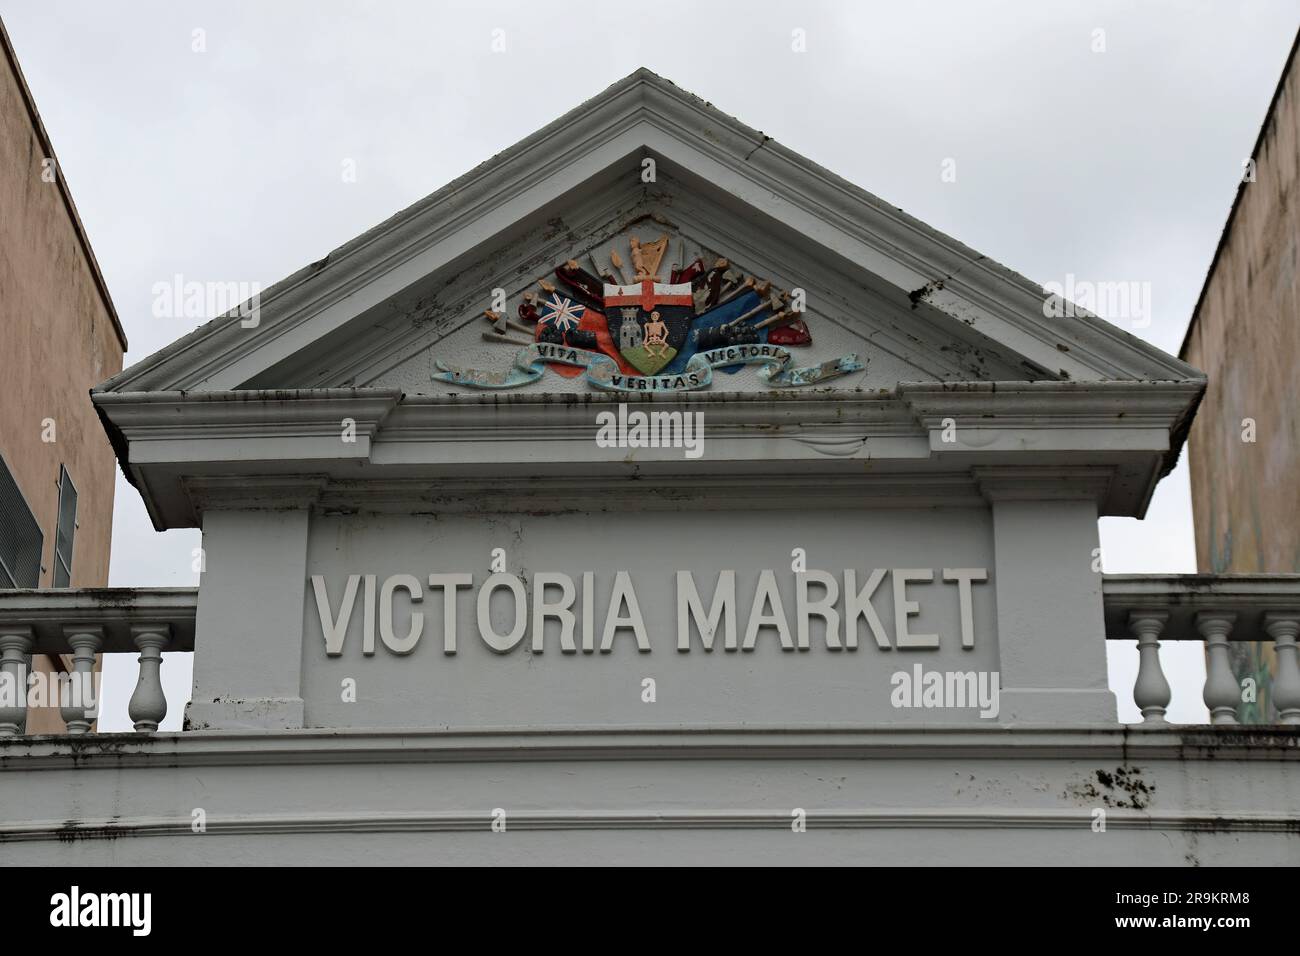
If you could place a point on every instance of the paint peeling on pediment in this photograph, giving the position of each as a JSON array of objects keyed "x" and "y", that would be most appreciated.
[{"x": 917, "y": 296}]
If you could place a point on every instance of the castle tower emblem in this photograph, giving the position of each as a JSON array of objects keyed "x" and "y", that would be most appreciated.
[{"x": 629, "y": 333}]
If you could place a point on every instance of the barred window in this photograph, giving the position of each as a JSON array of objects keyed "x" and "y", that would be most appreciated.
[
  {"x": 21, "y": 539},
  {"x": 67, "y": 528}
]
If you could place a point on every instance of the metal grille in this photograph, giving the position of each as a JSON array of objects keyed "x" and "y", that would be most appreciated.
[
  {"x": 67, "y": 529},
  {"x": 21, "y": 540}
]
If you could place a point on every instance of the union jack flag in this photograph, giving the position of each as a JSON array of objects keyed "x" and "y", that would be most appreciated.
[{"x": 564, "y": 314}]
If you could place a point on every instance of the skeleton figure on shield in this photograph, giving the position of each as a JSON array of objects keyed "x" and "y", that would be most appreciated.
[{"x": 656, "y": 335}]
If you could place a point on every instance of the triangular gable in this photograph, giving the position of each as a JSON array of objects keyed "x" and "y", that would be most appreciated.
[{"x": 380, "y": 309}]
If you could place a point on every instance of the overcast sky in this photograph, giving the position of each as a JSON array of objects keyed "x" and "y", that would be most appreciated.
[{"x": 1107, "y": 156}]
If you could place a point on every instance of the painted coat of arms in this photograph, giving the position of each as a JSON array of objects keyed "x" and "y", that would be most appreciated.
[{"x": 629, "y": 327}]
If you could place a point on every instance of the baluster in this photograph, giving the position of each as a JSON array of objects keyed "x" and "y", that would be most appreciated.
[
  {"x": 1283, "y": 627},
  {"x": 79, "y": 710},
  {"x": 1151, "y": 692},
  {"x": 15, "y": 645},
  {"x": 1222, "y": 692},
  {"x": 148, "y": 705}
]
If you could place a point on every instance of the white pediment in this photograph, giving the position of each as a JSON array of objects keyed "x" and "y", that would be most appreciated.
[{"x": 388, "y": 307}]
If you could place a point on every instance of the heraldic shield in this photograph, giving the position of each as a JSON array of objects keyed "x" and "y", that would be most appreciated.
[{"x": 650, "y": 322}]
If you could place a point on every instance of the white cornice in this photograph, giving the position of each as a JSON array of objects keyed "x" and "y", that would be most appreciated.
[
  {"x": 1061, "y": 417},
  {"x": 455, "y": 745},
  {"x": 255, "y": 425},
  {"x": 255, "y": 824},
  {"x": 1050, "y": 403},
  {"x": 186, "y": 450},
  {"x": 675, "y": 789},
  {"x": 915, "y": 409}
]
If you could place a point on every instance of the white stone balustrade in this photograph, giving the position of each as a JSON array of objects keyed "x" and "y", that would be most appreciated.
[
  {"x": 1218, "y": 610},
  {"x": 85, "y": 623}
]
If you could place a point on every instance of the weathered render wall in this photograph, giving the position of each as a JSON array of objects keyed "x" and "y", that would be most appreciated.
[
  {"x": 950, "y": 796},
  {"x": 1245, "y": 334},
  {"x": 59, "y": 338},
  {"x": 291, "y": 637}
]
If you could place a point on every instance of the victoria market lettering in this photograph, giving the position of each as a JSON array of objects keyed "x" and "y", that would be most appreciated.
[{"x": 839, "y": 601}]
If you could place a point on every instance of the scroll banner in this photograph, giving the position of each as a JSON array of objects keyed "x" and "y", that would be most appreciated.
[{"x": 603, "y": 372}]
